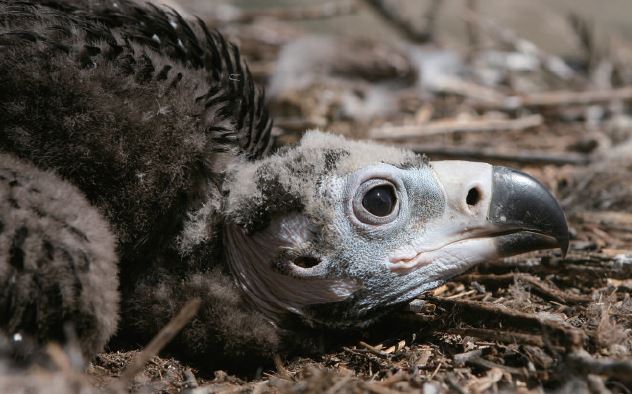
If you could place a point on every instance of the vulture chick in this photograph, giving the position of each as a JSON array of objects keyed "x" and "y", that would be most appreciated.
[{"x": 133, "y": 140}]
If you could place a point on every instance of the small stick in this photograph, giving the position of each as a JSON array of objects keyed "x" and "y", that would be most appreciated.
[
  {"x": 556, "y": 98},
  {"x": 487, "y": 154},
  {"x": 59, "y": 358},
  {"x": 618, "y": 218},
  {"x": 430, "y": 18},
  {"x": 165, "y": 335},
  {"x": 472, "y": 27},
  {"x": 434, "y": 373},
  {"x": 460, "y": 295},
  {"x": 482, "y": 95},
  {"x": 406, "y": 28},
  {"x": 584, "y": 363},
  {"x": 565, "y": 97},
  {"x": 373, "y": 349},
  {"x": 318, "y": 11},
  {"x": 62, "y": 361},
  {"x": 283, "y": 372},
  {"x": 449, "y": 126},
  {"x": 481, "y": 362},
  {"x": 474, "y": 312},
  {"x": 542, "y": 289},
  {"x": 507, "y": 337}
]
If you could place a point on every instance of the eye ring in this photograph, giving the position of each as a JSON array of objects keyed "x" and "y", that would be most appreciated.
[{"x": 376, "y": 202}]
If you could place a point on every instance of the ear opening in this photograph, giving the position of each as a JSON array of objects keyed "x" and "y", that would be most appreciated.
[
  {"x": 291, "y": 286},
  {"x": 306, "y": 261}
]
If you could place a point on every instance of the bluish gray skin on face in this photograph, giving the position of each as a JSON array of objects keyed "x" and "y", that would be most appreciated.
[
  {"x": 362, "y": 264},
  {"x": 362, "y": 251}
]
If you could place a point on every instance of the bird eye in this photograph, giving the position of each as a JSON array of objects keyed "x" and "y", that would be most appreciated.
[
  {"x": 375, "y": 202},
  {"x": 380, "y": 200}
]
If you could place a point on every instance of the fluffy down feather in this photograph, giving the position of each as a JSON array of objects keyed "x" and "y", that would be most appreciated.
[
  {"x": 141, "y": 111},
  {"x": 61, "y": 265}
]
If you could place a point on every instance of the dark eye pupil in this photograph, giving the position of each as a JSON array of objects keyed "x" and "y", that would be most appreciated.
[{"x": 380, "y": 200}]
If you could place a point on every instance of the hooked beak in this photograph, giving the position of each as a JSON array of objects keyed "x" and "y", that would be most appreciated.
[
  {"x": 522, "y": 205},
  {"x": 491, "y": 212}
]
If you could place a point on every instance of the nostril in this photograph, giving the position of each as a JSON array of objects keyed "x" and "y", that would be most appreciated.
[
  {"x": 473, "y": 197},
  {"x": 306, "y": 262}
]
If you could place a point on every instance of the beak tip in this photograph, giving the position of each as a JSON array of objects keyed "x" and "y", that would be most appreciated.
[
  {"x": 564, "y": 241},
  {"x": 531, "y": 207},
  {"x": 564, "y": 236},
  {"x": 564, "y": 244}
]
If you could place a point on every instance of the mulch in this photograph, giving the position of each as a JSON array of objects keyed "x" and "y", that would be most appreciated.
[{"x": 529, "y": 323}]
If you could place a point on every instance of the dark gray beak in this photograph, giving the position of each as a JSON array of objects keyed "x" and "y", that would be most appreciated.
[
  {"x": 491, "y": 212},
  {"x": 524, "y": 208}
]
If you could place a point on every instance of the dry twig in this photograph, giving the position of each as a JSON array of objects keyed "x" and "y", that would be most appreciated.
[
  {"x": 446, "y": 126},
  {"x": 474, "y": 312},
  {"x": 536, "y": 284},
  {"x": 161, "y": 339},
  {"x": 313, "y": 11},
  {"x": 559, "y": 98},
  {"x": 584, "y": 363},
  {"x": 373, "y": 349},
  {"x": 479, "y": 94},
  {"x": 472, "y": 26},
  {"x": 63, "y": 363},
  {"x": 490, "y": 154},
  {"x": 407, "y": 28},
  {"x": 501, "y": 336}
]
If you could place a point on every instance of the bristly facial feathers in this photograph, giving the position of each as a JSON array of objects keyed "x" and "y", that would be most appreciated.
[
  {"x": 280, "y": 210},
  {"x": 290, "y": 246}
]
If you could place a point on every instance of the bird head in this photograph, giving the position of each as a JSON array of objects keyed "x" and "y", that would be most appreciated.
[{"x": 340, "y": 231}]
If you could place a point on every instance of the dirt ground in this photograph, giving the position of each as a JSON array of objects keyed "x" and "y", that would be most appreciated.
[{"x": 483, "y": 89}]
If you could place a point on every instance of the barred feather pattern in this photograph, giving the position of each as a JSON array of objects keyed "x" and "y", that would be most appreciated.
[
  {"x": 140, "y": 111},
  {"x": 152, "y": 107},
  {"x": 232, "y": 95},
  {"x": 60, "y": 265}
]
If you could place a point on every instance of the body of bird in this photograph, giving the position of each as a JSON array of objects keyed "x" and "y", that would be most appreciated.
[{"x": 136, "y": 173}]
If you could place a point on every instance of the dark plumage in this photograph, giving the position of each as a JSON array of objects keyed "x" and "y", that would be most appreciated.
[
  {"x": 156, "y": 121},
  {"x": 48, "y": 229},
  {"x": 144, "y": 129}
]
